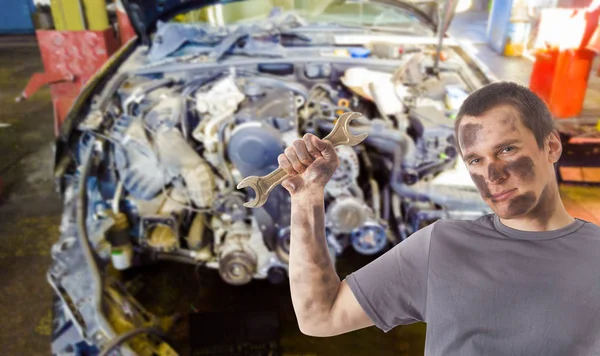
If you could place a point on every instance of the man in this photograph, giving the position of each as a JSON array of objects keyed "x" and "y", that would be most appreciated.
[{"x": 522, "y": 281}]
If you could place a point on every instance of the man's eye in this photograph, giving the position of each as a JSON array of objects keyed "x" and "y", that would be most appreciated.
[
  {"x": 473, "y": 161},
  {"x": 508, "y": 149}
]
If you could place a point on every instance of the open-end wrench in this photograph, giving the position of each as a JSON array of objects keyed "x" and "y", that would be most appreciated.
[{"x": 340, "y": 135}]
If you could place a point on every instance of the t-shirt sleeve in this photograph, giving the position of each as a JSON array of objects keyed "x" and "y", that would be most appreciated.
[{"x": 392, "y": 289}]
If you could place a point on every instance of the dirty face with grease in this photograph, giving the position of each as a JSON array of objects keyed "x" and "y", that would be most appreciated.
[{"x": 514, "y": 176}]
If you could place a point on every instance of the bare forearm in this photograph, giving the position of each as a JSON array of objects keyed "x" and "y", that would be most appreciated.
[{"x": 313, "y": 280}]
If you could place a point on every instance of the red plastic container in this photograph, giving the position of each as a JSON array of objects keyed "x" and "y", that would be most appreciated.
[
  {"x": 570, "y": 82},
  {"x": 70, "y": 59},
  {"x": 542, "y": 73},
  {"x": 126, "y": 31}
]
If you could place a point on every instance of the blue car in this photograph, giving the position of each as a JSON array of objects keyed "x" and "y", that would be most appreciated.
[{"x": 209, "y": 92}]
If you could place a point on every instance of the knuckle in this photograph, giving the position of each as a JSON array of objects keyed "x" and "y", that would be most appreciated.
[
  {"x": 306, "y": 160},
  {"x": 299, "y": 145},
  {"x": 282, "y": 159},
  {"x": 290, "y": 151},
  {"x": 314, "y": 152}
]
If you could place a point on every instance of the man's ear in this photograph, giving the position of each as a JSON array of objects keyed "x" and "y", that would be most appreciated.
[{"x": 554, "y": 146}]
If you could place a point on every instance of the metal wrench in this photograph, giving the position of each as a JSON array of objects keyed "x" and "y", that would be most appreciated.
[{"x": 340, "y": 135}]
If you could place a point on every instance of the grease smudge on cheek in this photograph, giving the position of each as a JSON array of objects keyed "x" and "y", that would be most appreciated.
[
  {"x": 521, "y": 204},
  {"x": 522, "y": 168},
  {"x": 469, "y": 135},
  {"x": 546, "y": 205},
  {"x": 479, "y": 181}
]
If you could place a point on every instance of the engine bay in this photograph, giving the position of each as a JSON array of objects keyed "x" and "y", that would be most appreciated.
[{"x": 161, "y": 151}]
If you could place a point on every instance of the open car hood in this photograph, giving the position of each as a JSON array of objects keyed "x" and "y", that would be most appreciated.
[{"x": 144, "y": 14}]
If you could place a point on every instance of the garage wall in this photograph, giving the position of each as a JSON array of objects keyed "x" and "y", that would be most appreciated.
[{"x": 15, "y": 16}]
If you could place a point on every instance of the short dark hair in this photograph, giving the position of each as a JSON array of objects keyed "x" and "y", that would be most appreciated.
[{"x": 534, "y": 113}]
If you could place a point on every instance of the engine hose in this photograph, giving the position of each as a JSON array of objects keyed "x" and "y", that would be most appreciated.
[
  {"x": 117, "y": 197},
  {"x": 221, "y": 150},
  {"x": 397, "y": 210},
  {"x": 138, "y": 95},
  {"x": 189, "y": 88},
  {"x": 179, "y": 259},
  {"x": 116, "y": 342},
  {"x": 388, "y": 141},
  {"x": 84, "y": 242},
  {"x": 375, "y": 199},
  {"x": 386, "y": 203},
  {"x": 272, "y": 82},
  {"x": 407, "y": 149}
]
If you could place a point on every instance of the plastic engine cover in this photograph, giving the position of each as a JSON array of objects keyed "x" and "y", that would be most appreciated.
[{"x": 253, "y": 149}]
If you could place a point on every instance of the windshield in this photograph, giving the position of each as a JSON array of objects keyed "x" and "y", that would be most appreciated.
[{"x": 345, "y": 13}]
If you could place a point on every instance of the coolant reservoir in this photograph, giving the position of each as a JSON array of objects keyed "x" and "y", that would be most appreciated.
[
  {"x": 371, "y": 84},
  {"x": 121, "y": 254},
  {"x": 121, "y": 257}
]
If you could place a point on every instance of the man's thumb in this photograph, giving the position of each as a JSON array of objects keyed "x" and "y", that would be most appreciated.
[
  {"x": 325, "y": 147},
  {"x": 319, "y": 144}
]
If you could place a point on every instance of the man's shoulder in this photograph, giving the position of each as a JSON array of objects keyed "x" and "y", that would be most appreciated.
[
  {"x": 589, "y": 226},
  {"x": 451, "y": 226}
]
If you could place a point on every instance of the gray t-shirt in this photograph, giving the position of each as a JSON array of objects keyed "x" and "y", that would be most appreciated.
[{"x": 486, "y": 289}]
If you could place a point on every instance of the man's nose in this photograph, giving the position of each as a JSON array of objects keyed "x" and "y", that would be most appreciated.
[{"x": 496, "y": 172}]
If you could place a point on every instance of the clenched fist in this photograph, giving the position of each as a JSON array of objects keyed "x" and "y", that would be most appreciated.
[{"x": 310, "y": 162}]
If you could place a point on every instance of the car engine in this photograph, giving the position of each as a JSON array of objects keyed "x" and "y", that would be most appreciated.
[{"x": 160, "y": 155}]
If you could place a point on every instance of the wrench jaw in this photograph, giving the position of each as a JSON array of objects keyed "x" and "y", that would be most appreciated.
[
  {"x": 262, "y": 186},
  {"x": 341, "y": 135},
  {"x": 356, "y": 139},
  {"x": 252, "y": 183}
]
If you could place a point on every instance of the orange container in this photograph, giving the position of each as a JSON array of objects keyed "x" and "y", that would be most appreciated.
[
  {"x": 542, "y": 73},
  {"x": 570, "y": 82}
]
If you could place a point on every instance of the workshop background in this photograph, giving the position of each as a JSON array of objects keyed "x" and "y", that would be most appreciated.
[{"x": 516, "y": 40}]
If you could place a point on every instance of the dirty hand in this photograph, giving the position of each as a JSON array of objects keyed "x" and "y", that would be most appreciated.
[{"x": 310, "y": 163}]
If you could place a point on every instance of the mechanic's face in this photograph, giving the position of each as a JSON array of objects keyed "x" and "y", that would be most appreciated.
[{"x": 514, "y": 176}]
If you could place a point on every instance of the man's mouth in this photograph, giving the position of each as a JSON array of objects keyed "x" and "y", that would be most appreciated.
[{"x": 502, "y": 195}]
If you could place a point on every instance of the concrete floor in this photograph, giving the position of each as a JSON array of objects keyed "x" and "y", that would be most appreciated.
[
  {"x": 29, "y": 208},
  {"x": 30, "y": 211}
]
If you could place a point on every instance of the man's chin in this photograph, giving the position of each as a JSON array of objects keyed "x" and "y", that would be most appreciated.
[
  {"x": 514, "y": 208},
  {"x": 506, "y": 215}
]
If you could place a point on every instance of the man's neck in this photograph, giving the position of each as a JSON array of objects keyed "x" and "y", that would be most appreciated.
[
  {"x": 557, "y": 221},
  {"x": 542, "y": 217}
]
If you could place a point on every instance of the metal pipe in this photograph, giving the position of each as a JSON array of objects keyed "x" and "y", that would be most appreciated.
[
  {"x": 441, "y": 32},
  {"x": 397, "y": 211},
  {"x": 84, "y": 242},
  {"x": 375, "y": 199},
  {"x": 117, "y": 197},
  {"x": 386, "y": 203}
]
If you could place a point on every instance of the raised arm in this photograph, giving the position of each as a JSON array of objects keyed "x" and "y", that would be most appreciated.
[
  {"x": 389, "y": 291},
  {"x": 324, "y": 306}
]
